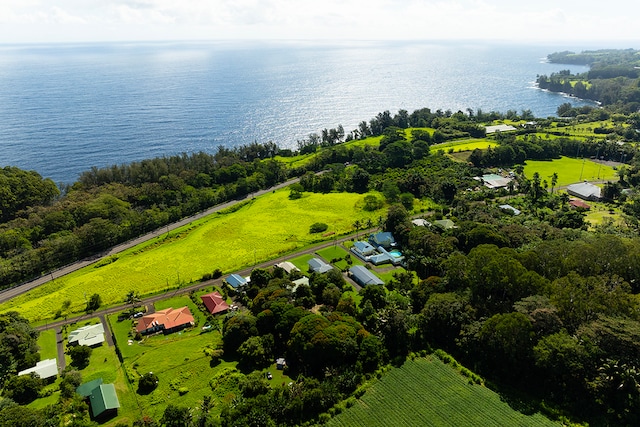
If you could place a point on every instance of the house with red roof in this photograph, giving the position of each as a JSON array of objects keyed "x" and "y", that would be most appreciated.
[
  {"x": 579, "y": 204},
  {"x": 168, "y": 320},
  {"x": 215, "y": 303}
]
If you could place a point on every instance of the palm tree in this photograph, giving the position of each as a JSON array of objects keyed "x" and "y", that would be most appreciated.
[
  {"x": 357, "y": 224},
  {"x": 554, "y": 181}
]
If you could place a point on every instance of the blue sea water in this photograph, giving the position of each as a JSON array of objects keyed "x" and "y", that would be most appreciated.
[{"x": 66, "y": 108}]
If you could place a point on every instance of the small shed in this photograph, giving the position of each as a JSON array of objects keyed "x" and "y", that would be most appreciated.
[
  {"x": 316, "y": 265},
  {"x": 362, "y": 276},
  {"x": 281, "y": 363}
]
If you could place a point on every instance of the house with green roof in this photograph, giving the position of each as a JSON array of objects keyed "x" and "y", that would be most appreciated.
[{"x": 102, "y": 398}]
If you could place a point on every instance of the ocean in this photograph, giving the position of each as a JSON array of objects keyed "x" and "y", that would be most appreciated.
[{"x": 67, "y": 108}]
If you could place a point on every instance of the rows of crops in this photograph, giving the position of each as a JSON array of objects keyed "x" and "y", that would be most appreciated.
[{"x": 426, "y": 392}]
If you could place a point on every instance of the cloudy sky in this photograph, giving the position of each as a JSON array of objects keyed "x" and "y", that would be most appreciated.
[{"x": 33, "y": 21}]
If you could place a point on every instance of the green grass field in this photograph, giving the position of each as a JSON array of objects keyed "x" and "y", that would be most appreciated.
[
  {"x": 465, "y": 145},
  {"x": 426, "y": 392},
  {"x": 47, "y": 344},
  {"x": 570, "y": 170},
  {"x": 262, "y": 229},
  {"x": 184, "y": 371}
]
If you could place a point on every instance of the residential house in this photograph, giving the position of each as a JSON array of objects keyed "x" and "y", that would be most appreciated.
[
  {"x": 316, "y": 265},
  {"x": 362, "y": 276},
  {"x": 235, "y": 281},
  {"x": 215, "y": 303},
  {"x": 90, "y": 335},
  {"x": 585, "y": 191},
  {"x": 384, "y": 239},
  {"x": 102, "y": 398},
  {"x": 510, "y": 209},
  {"x": 579, "y": 204},
  {"x": 168, "y": 320},
  {"x": 287, "y": 266},
  {"x": 44, "y": 369}
]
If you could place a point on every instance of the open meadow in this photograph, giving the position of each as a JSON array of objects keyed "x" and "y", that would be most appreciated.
[
  {"x": 261, "y": 229},
  {"x": 570, "y": 170},
  {"x": 426, "y": 392}
]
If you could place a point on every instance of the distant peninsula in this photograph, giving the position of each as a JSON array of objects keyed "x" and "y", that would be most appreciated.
[{"x": 612, "y": 79}]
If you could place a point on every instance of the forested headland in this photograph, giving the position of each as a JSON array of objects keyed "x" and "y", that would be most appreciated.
[
  {"x": 612, "y": 79},
  {"x": 541, "y": 305}
]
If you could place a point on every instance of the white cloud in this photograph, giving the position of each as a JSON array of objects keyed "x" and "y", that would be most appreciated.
[{"x": 61, "y": 20}]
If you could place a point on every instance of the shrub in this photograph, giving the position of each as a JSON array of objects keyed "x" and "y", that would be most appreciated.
[
  {"x": 147, "y": 383},
  {"x": 318, "y": 227}
]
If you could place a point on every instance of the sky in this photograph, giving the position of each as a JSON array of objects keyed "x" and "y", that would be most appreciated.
[{"x": 41, "y": 21}]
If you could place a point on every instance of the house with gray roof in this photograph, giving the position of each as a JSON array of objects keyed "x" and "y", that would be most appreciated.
[
  {"x": 90, "y": 335},
  {"x": 384, "y": 239},
  {"x": 585, "y": 191},
  {"x": 44, "y": 369},
  {"x": 362, "y": 276},
  {"x": 316, "y": 265}
]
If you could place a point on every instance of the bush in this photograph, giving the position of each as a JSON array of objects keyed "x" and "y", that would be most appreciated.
[
  {"x": 147, "y": 383},
  {"x": 318, "y": 227}
]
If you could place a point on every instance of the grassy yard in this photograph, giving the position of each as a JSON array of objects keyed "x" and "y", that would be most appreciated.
[
  {"x": 570, "y": 170},
  {"x": 48, "y": 344},
  {"x": 184, "y": 370},
  {"x": 426, "y": 392},
  {"x": 260, "y": 230}
]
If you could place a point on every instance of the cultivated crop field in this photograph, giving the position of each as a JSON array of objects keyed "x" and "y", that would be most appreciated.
[
  {"x": 426, "y": 392},
  {"x": 262, "y": 229},
  {"x": 570, "y": 170}
]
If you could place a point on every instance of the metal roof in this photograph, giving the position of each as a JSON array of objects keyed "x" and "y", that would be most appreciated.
[{"x": 103, "y": 398}]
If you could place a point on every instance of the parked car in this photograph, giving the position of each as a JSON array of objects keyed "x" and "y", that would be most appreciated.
[{"x": 138, "y": 314}]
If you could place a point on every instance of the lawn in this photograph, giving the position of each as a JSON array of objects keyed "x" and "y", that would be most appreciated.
[
  {"x": 339, "y": 252},
  {"x": 465, "y": 145},
  {"x": 262, "y": 229},
  {"x": 183, "y": 369},
  {"x": 426, "y": 392},
  {"x": 570, "y": 170},
  {"x": 48, "y": 344}
]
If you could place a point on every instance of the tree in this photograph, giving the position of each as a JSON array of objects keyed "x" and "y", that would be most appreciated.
[
  {"x": 80, "y": 355},
  {"x": 554, "y": 181},
  {"x": 176, "y": 416},
  {"x": 257, "y": 352},
  {"x": 132, "y": 298},
  {"x": 95, "y": 301},
  {"x": 71, "y": 379},
  {"x": 23, "y": 389},
  {"x": 147, "y": 383}
]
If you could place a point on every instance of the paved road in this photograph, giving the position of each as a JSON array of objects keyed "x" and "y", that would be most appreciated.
[
  {"x": 25, "y": 287},
  {"x": 193, "y": 287}
]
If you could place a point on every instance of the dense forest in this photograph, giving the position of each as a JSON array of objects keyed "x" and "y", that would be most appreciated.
[
  {"x": 538, "y": 305},
  {"x": 612, "y": 80}
]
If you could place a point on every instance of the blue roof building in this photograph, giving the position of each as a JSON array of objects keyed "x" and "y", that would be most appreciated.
[
  {"x": 235, "y": 280},
  {"x": 384, "y": 239}
]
